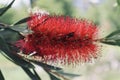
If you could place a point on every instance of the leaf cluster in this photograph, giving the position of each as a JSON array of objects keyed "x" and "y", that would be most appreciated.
[{"x": 112, "y": 39}]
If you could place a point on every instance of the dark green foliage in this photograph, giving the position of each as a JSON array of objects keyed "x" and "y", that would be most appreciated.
[
  {"x": 52, "y": 76},
  {"x": 1, "y": 76},
  {"x": 33, "y": 76},
  {"x": 12, "y": 56},
  {"x": 112, "y": 39},
  {"x": 4, "y": 9},
  {"x": 24, "y": 20},
  {"x": 10, "y": 35},
  {"x": 114, "y": 35}
]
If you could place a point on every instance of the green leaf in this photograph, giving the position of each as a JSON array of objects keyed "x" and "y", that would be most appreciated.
[
  {"x": 112, "y": 42},
  {"x": 114, "y": 35},
  {"x": 4, "y": 9},
  {"x": 109, "y": 42},
  {"x": 22, "y": 21},
  {"x": 1, "y": 76},
  {"x": 36, "y": 74},
  {"x": 112, "y": 39},
  {"x": 10, "y": 35},
  {"x": 46, "y": 65},
  {"x": 52, "y": 76},
  {"x": 68, "y": 74},
  {"x": 14, "y": 57},
  {"x": 33, "y": 76}
]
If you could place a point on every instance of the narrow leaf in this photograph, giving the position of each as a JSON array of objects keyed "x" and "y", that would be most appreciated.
[
  {"x": 30, "y": 74},
  {"x": 112, "y": 42},
  {"x": 46, "y": 65},
  {"x": 36, "y": 74},
  {"x": 24, "y": 20},
  {"x": 61, "y": 77},
  {"x": 55, "y": 75},
  {"x": 1, "y": 76},
  {"x": 4, "y": 9},
  {"x": 52, "y": 77},
  {"x": 68, "y": 74},
  {"x": 114, "y": 35},
  {"x": 109, "y": 42},
  {"x": 13, "y": 56},
  {"x": 112, "y": 39}
]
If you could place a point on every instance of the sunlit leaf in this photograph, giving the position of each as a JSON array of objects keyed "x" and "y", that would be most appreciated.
[
  {"x": 20, "y": 28},
  {"x": 46, "y": 65},
  {"x": 4, "y": 9}
]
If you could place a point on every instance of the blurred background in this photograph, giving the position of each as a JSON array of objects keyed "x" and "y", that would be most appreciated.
[{"x": 104, "y": 13}]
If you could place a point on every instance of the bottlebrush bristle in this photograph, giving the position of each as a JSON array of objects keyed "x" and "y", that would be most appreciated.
[{"x": 60, "y": 38}]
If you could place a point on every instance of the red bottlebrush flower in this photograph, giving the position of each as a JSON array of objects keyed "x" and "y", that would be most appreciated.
[{"x": 59, "y": 38}]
